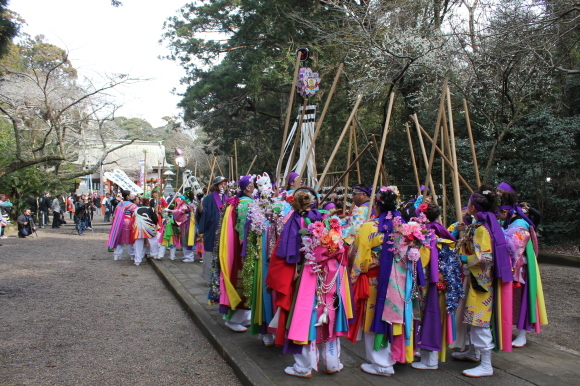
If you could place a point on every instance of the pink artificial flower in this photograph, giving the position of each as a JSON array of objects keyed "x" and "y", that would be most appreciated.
[
  {"x": 334, "y": 223},
  {"x": 317, "y": 229}
]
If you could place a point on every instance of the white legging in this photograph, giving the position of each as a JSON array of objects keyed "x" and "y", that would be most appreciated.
[
  {"x": 120, "y": 248},
  {"x": 163, "y": 248},
  {"x": 381, "y": 357},
  {"x": 481, "y": 338},
  {"x": 308, "y": 359}
]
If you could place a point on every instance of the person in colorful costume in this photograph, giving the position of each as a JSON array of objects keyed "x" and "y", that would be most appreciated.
[
  {"x": 169, "y": 235},
  {"x": 121, "y": 232},
  {"x": 293, "y": 182},
  {"x": 207, "y": 217},
  {"x": 184, "y": 216},
  {"x": 488, "y": 311},
  {"x": 308, "y": 268},
  {"x": 528, "y": 296},
  {"x": 369, "y": 277},
  {"x": 144, "y": 228},
  {"x": 361, "y": 196},
  {"x": 265, "y": 222},
  {"x": 228, "y": 257},
  {"x": 443, "y": 271}
]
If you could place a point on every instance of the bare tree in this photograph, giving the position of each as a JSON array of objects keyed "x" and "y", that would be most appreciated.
[{"x": 48, "y": 109}]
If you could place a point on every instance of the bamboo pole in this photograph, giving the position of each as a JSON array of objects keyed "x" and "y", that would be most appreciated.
[
  {"x": 236, "y": 176},
  {"x": 218, "y": 164},
  {"x": 383, "y": 172},
  {"x": 447, "y": 161},
  {"x": 252, "y": 164},
  {"x": 287, "y": 120},
  {"x": 161, "y": 175},
  {"x": 473, "y": 153},
  {"x": 425, "y": 160},
  {"x": 319, "y": 122},
  {"x": 368, "y": 146},
  {"x": 348, "y": 163},
  {"x": 195, "y": 170},
  {"x": 298, "y": 132},
  {"x": 456, "y": 192},
  {"x": 443, "y": 184},
  {"x": 413, "y": 157},
  {"x": 381, "y": 152},
  {"x": 346, "y": 126},
  {"x": 435, "y": 137},
  {"x": 144, "y": 173},
  {"x": 358, "y": 178},
  {"x": 231, "y": 171},
  {"x": 211, "y": 167}
]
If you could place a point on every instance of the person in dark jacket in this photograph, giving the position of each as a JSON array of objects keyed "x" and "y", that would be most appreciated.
[
  {"x": 43, "y": 206},
  {"x": 207, "y": 216},
  {"x": 25, "y": 224}
]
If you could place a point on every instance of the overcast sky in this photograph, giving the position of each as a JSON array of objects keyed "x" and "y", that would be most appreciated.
[{"x": 106, "y": 39}]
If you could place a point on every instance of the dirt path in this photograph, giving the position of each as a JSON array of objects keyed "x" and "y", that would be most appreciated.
[{"x": 69, "y": 314}]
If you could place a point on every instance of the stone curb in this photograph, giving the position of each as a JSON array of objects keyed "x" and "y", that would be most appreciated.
[
  {"x": 245, "y": 368},
  {"x": 558, "y": 259}
]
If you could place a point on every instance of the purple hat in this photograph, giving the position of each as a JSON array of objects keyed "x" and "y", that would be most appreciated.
[
  {"x": 423, "y": 188},
  {"x": 244, "y": 182},
  {"x": 506, "y": 187},
  {"x": 368, "y": 191},
  {"x": 329, "y": 206},
  {"x": 291, "y": 177}
]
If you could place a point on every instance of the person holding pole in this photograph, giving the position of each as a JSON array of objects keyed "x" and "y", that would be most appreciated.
[
  {"x": 484, "y": 249},
  {"x": 361, "y": 196},
  {"x": 232, "y": 237},
  {"x": 528, "y": 295},
  {"x": 442, "y": 271},
  {"x": 207, "y": 217},
  {"x": 121, "y": 230},
  {"x": 308, "y": 274},
  {"x": 184, "y": 217},
  {"x": 370, "y": 277}
]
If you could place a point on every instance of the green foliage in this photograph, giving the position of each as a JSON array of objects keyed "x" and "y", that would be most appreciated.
[
  {"x": 544, "y": 146},
  {"x": 9, "y": 27},
  {"x": 239, "y": 57}
]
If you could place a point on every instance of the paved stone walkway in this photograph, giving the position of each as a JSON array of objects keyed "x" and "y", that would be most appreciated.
[{"x": 540, "y": 363}]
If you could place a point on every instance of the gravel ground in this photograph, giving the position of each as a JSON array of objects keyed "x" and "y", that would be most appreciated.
[
  {"x": 562, "y": 293},
  {"x": 70, "y": 315},
  {"x": 570, "y": 250}
]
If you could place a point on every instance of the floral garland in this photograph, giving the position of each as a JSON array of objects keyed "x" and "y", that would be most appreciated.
[
  {"x": 318, "y": 234},
  {"x": 327, "y": 234},
  {"x": 265, "y": 211},
  {"x": 263, "y": 214},
  {"x": 450, "y": 269},
  {"x": 412, "y": 236},
  {"x": 252, "y": 256}
]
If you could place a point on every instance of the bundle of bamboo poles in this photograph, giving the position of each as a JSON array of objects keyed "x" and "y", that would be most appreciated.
[{"x": 444, "y": 132}]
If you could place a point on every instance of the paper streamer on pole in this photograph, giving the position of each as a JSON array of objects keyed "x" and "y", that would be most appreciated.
[
  {"x": 120, "y": 178},
  {"x": 308, "y": 124}
]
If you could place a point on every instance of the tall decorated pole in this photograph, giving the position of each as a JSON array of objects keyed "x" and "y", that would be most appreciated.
[
  {"x": 288, "y": 114},
  {"x": 181, "y": 162},
  {"x": 321, "y": 119}
]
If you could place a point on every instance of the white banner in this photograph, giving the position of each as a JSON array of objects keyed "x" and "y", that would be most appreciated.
[{"x": 120, "y": 178}]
